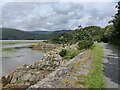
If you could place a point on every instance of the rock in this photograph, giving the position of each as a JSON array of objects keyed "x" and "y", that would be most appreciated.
[
  {"x": 4, "y": 80},
  {"x": 84, "y": 72},
  {"x": 14, "y": 80},
  {"x": 57, "y": 63},
  {"x": 20, "y": 82},
  {"x": 19, "y": 74},
  {"x": 26, "y": 77},
  {"x": 32, "y": 78},
  {"x": 28, "y": 74},
  {"x": 27, "y": 83}
]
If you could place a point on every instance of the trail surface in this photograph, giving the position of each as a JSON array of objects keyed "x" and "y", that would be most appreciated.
[{"x": 111, "y": 61}]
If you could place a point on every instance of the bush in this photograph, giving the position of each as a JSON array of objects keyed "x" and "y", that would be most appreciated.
[
  {"x": 63, "y": 53},
  {"x": 71, "y": 54},
  {"x": 85, "y": 44}
]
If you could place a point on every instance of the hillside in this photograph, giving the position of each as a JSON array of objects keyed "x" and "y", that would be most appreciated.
[
  {"x": 91, "y": 33},
  {"x": 15, "y": 34}
]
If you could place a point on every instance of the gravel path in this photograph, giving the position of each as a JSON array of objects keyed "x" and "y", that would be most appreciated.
[{"x": 111, "y": 61}]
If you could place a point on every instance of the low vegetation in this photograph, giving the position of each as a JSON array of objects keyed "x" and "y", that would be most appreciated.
[
  {"x": 63, "y": 52},
  {"x": 84, "y": 44},
  {"x": 6, "y": 43},
  {"x": 7, "y": 49},
  {"x": 68, "y": 54},
  {"x": 96, "y": 78},
  {"x": 71, "y": 54}
]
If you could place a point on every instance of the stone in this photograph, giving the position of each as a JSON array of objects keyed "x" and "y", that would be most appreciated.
[
  {"x": 83, "y": 72},
  {"x": 38, "y": 72},
  {"x": 32, "y": 78},
  {"x": 21, "y": 82},
  {"x": 20, "y": 74},
  {"x": 38, "y": 77},
  {"x": 25, "y": 77},
  {"x": 26, "y": 83},
  {"x": 13, "y": 80}
]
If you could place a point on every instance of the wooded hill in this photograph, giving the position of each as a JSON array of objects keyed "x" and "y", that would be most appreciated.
[{"x": 15, "y": 34}]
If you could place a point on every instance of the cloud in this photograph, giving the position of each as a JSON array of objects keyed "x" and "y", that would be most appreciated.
[{"x": 56, "y": 15}]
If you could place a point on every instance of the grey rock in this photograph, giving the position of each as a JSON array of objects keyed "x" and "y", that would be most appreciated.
[
  {"x": 13, "y": 80},
  {"x": 32, "y": 78},
  {"x": 21, "y": 82},
  {"x": 84, "y": 72},
  {"x": 26, "y": 76},
  {"x": 20, "y": 74}
]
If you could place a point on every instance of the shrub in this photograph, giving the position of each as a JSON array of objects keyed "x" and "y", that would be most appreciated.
[
  {"x": 71, "y": 54},
  {"x": 63, "y": 53},
  {"x": 85, "y": 44}
]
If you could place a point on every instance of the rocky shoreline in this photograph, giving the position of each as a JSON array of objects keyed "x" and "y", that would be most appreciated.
[
  {"x": 27, "y": 75},
  {"x": 42, "y": 72}
]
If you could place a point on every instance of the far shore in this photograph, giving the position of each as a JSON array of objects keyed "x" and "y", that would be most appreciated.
[{"x": 21, "y": 40}]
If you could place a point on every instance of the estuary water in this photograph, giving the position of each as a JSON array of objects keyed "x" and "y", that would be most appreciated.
[{"x": 11, "y": 59}]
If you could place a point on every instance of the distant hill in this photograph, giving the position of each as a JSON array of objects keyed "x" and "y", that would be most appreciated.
[{"x": 15, "y": 34}]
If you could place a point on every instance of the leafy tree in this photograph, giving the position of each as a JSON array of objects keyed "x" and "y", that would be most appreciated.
[
  {"x": 85, "y": 44},
  {"x": 115, "y": 37},
  {"x": 108, "y": 30},
  {"x": 85, "y": 36}
]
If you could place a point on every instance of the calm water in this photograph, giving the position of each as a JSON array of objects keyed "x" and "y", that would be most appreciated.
[{"x": 14, "y": 58}]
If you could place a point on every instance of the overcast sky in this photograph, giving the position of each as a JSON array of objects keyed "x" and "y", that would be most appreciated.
[{"x": 55, "y": 15}]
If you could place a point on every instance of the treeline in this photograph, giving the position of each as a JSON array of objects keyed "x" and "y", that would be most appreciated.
[
  {"x": 84, "y": 37},
  {"x": 112, "y": 32},
  {"x": 93, "y": 33}
]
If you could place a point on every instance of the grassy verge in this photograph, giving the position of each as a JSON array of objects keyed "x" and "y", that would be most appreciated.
[{"x": 96, "y": 78}]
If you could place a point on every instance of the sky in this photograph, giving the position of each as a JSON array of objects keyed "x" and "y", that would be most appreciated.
[{"x": 55, "y": 15}]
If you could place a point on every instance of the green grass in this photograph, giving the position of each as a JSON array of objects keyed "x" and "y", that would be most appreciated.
[
  {"x": 15, "y": 42},
  {"x": 96, "y": 78},
  {"x": 6, "y": 43},
  {"x": 7, "y": 49},
  {"x": 71, "y": 54}
]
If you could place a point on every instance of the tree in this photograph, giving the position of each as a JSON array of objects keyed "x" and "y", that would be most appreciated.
[
  {"x": 116, "y": 23},
  {"x": 79, "y": 26}
]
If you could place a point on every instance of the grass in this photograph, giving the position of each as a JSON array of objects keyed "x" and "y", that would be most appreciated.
[
  {"x": 7, "y": 49},
  {"x": 96, "y": 78},
  {"x": 17, "y": 42},
  {"x": 6, "y": 43},
  {"x": 71, "y": 54}
]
